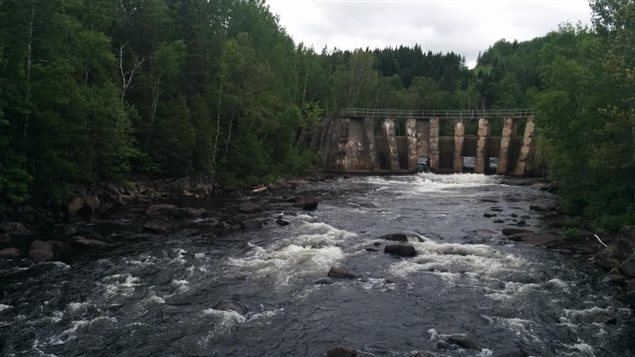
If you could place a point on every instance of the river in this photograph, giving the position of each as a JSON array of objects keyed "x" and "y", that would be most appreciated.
[{"x": 155, "y": 295}]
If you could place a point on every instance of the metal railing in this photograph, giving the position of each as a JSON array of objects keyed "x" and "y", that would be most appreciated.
[{"x": 429, "y": 114}]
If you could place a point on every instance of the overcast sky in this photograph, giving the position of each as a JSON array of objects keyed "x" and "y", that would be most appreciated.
[{"x": 462, "y": 26}]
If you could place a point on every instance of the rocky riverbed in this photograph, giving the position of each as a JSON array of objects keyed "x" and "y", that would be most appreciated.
[{"x": 427, "y": 265}]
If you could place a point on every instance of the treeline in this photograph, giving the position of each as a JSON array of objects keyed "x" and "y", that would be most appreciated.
[{"x": 97, "y": 90}]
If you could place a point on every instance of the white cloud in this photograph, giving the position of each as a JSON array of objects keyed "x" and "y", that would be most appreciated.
[{"x": 462, "y": 26}]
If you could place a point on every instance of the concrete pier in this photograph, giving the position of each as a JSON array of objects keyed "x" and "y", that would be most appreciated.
[
  {"x": 411, "y": 137},
  {"x": 509, "y": 129},
  {"x": 392, "y": 153},
  {"x": 459, "y": 138},
  {"x": 433, "y": 145},
  {"x": 482, "y": 159},
  {"x": 522, "y": 165},
  {"x": 373, "y": 158}
]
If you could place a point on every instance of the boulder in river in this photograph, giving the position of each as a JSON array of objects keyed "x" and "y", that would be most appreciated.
[
  {"x": 341, "y": 352},
  {"x": 157, "y": 226},
  {"x": 249, "y": 207},
  {"x": 9, "y": 253},
  {"x": 463, "y": 342},
  {"x": 401, "y": 250},
  {"x": 341, "y": 273},
  {"x": 160, "y": 209},
  {"x": 41, "y": 251},
  {"x": 306, "y": 203},
  {"x": 397, "y": 237},
  {"x": 230, "y": 305},
  {"x": 282, "y": 222},
  {"x": 489, "y": 215}
]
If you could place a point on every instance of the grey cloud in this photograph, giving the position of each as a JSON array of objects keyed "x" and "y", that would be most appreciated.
[{"x": 462, "y": 26}]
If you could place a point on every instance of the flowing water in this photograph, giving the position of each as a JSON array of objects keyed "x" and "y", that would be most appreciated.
[{"x": 155, "y": 296}]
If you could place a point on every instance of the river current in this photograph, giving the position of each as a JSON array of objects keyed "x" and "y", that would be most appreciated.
[{"x": 155, "y": 295}]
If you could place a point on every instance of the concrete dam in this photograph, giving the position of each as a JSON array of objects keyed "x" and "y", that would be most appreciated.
[{"x": 390, "y": 141}]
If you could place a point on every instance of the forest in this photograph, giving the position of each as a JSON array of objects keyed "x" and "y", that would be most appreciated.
[{"x": 97, "y": 90}]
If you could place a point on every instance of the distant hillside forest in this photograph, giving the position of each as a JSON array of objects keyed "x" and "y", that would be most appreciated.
[{"x": 100, "y": 90}]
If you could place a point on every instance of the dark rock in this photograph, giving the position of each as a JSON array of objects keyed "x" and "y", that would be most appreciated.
[
  {"x": 514, "y": 215},
  {"x": 282, "y": 222},
  {"x": 489, "y": 215},
  {"x": 510, "y": 231},
  {"x": 372, "y": 250},
  {"x": 341, "y": 273},
  {"x": 160, "y": 209},
  {"x": 307, "y": 203},
  {"x": 230, "y": 305},
  {"x": 628, "y": 267},
  {"x": 497, "y": 209},
  {"x": 377, "y": 244},
  {"x": 14, "y": 228},
  {"x": 463, "y": 342},
  {"x": 606, "y": 262},
  {"x": 9, "y": 253},
  {"x": 76, "y": 205},
  {"x": 41, "y": 251},
  {"x": 499, "y": 221},
  {"x": 92, "y": 202},
  {"x": 254, "y": 223},
  {"x": 397, "y": 237},
  {"x": 537, "y": 208},
  {"x": 249, "y": 207},
  {"x": 341, "y": 352},
  {"x": 616, "y": 279},
  {"x": 157, "y": 226},
  {"x": 402, "y": 250}
]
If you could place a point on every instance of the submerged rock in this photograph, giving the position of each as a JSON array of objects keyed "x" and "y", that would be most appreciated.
[
  {"x": 341, "y": 352},
  {"x": 230, "y": 305},
  {"x": 249, "y": 207},
  {"x": 159, "y": 209},
  {"x": 341, "y": 273},
  {"x": 397, "y": 237},
  {"x": 157, "y": 226},
  {"x": 306, "y": 203},
  {"x": 463, "y": 342},
  {"x": 282, "y": 222},
  {"x": 489, "y": 215},
  {"x": 402, "y": 250},
  {"x": 510, "y": 231}
]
